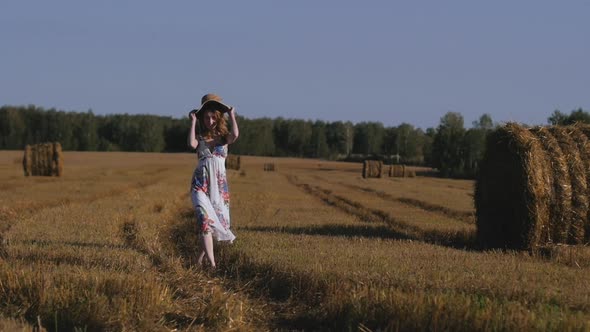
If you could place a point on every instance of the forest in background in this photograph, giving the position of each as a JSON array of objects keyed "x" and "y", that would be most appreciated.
[{"x": 451, "y": 148}]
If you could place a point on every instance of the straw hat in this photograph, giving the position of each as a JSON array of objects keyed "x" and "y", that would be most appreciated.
[{"x": 213, "y": 102}]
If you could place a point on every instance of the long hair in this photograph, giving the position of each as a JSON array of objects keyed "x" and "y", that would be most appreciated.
[{"x": 220, "y": 126}]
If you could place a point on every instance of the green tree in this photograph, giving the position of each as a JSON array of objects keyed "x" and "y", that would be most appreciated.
[
  {"x": 318, "y": 145},
  {"x": 390, "y": 145},
  {"x": 427, "y": 142},
  {"x": 339, "y": 137},
  {"x": 368, "y": 138},
  {"x": 576, "y": 116},
  {"x": 447, "y": 150},
  {"x": 12, "y": 128},
  {"x": 484, "y": 122},
  {"x": 474, "y": 143}
]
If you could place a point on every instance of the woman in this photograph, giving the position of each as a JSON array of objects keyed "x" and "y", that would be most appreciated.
[{"x": 209, "y": 191}]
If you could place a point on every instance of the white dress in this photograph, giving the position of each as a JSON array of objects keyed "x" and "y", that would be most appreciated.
[{"x": 210, "y": 193}]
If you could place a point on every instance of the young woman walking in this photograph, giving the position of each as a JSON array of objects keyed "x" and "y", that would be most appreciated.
[{"x": 209, "y": 189}]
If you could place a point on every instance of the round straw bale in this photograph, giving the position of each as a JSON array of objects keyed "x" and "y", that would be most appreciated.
[
  {"x": 561, "y": 200},
  {"x": 372, "y": 168},
  {"x": 57, "y": 164},
  {"x": 398, "y": 171},
  {"x": 33, "y": 160},
  {"x": 41, "y": 158},
  {"x": 409, "y": 173},
  {"x": 48, "y": 158},
  {"x": 377, "y": 167},
  {"x": 577, "y": 173},
  {"x": 28, "y": 161},
  {"x": 513, "y": 190},
  {"x": 580, "y": 136}
]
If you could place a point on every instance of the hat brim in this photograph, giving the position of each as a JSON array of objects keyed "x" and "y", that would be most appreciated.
[{"x": 212, "y": 105}]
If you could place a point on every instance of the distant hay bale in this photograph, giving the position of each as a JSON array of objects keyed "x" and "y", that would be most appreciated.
[
  {"x": 269, "y": 167},
  {"x": 372, "y": 168},
  {"x": 28, "y": 161},
  {"x": 532, "y": 187},
  {"x": 34, "y": 161},
  {"x": 401, "y": 171},
  {"x": 45, "y": 159},
  {"x": 397, "y": 171},
  {"x": 57, "y": 161},
  {"x": 232, "y": 162}
]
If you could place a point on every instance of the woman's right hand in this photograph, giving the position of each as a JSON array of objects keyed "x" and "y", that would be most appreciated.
[{"x": 192, "y": 116}]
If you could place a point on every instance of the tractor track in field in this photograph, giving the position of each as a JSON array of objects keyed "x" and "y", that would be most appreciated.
[
  {"x": 173, "y": 257},
  {"x": 464, "y": 216},
  {"x": 259, "y": 286},
  {"x": 399, "y": 228}
]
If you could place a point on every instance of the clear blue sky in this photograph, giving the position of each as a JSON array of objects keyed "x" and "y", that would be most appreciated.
[{"x": 386, "y": 61}]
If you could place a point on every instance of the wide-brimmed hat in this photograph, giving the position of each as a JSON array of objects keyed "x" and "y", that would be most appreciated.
[{"x": 212, "y": 102}]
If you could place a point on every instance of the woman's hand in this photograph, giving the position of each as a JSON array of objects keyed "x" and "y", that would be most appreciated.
[
  {"x": 192, "y": 116},
  {"x": 231, "y": 111}
]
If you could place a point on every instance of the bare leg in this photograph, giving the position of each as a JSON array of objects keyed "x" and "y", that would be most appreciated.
[
  {"x": 201, "y": 255},
  {"x": 207, "y": 242}
]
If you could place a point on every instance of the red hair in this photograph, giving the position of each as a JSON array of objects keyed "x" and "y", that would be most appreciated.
[{"x": 220, "y": 125}]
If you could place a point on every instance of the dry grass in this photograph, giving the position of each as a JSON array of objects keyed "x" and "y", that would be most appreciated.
[
  {"x": 113, "y": 247},
  {"x": 91, "y": 256}
]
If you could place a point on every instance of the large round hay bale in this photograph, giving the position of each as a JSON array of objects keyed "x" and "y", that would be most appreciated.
[
  {"x": 560, "y": 204},
  {"x": 533, "y": 187},
  {"x": 513, "y": 190},
  {"x": 584, "y": 146},
  {"x": 572, "y": 154}
]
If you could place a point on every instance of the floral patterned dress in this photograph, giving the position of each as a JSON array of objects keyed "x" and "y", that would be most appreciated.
[{"x": 210, "y": 193}]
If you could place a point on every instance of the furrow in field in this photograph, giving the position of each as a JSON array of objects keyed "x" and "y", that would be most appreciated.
[
  {"x": 405, "y": 222},
  {"x": 456, "y": 195},
  {"x": 464, "y": 216},
  {"x": 222, "y": 295}
]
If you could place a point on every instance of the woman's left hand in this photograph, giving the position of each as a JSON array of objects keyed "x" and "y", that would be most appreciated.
[{"x": 231, "y": 111}]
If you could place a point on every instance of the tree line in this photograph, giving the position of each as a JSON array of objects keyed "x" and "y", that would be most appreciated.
[{"x": 450, "y": 147}]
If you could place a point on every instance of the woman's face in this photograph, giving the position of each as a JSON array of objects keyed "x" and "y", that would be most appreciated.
[{"x": 209, "y": 120}]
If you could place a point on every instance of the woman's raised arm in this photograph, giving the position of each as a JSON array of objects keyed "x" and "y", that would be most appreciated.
[
  {"x": 191, "y": 139},
  {"x": 235, "y": 131}
]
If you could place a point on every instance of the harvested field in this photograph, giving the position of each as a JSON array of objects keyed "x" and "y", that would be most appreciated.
[{"x": 111, "y": 245}]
